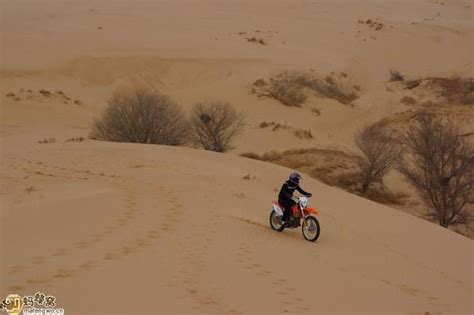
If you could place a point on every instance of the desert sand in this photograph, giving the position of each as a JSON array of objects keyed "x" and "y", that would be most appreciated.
[{"x": 113, "y": 228}]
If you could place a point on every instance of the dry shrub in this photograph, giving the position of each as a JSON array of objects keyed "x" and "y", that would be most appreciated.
[
  {"x": 45, "y": 92},
  {"x": 291, "y": 88},
  {"x": 78, "y": 139},
  {"x": 48, "y": 140},
  {"x": 439, "y": 163},
  {"x": 316, "y": 111},
  {"x": 215, "y": 125},
  {"x": 455, "y": 90},
  {"x": 335, "y": 168},
  {"x": 256, "y": 40},
  {"x": 303, "y": 134},
  {"x": 141, "y": 116},
  {"x": 410, "y": 85},
  {"x": 408, "y": 100},
  {"x": 265, "y": 124},
  {"x": 395, "y": 76},
  {"x": 286, "y": 88},
  {"x": 338, "y": 89},
  {"x": 378, "y": 154}
]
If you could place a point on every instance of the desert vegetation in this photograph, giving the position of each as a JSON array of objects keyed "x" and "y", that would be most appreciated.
[
  {"x": 141, "y": 116},
  {"x": 395, "y": 76},
  {"x": 454, "y": 90},
  {"x": 47, "y": 140},
  {"x": 214, "y": 125},
  {"x": 76, "y": 139},
  {"x": 379, "y": 154},
  {"x": 41, "y": 94},
  {"x": 297, "y": 132},
  {"x": 144, "y": 116},
  {"x": 439, "y": 162},
  {"x": 333, "y": 167},
  {"x": 292, "y": 88}
]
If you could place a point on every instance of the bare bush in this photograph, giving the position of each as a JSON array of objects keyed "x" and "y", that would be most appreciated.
[
  {"x": 439, "y": 163},
  {"x": 141, "y": 116},
  {"x": 378, "y": 155},
  {"x": 215, "y": 125},
  {"x": 396, "y": 76}
]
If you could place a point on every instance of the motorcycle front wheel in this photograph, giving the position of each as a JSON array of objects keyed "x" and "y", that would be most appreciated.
[
  {"x": 275, "y": 222},
  {"x": 311, "y": 229}
]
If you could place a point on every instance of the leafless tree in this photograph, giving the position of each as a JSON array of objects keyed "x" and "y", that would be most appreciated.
[
  {"x": 215, "y": 125},
  {"x": 378, "y": 154},
  {"x": 439, "y": 162},
  {"x": 141, "y": 116}
]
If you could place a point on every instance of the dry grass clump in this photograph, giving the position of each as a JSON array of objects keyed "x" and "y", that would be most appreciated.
[
  {"x": 45, "y": 93},
  {"x": 274, "y": 125},
  {"x": 30, "y": 189},
  {"x": 77, "y": 139},
  {"x": 408, "y": 100},
  {"x": 334, "y": 88},
  {"x": 395, "y": 76},
  {"x": 292, "y": 88},
  {"x": 316, "y": 111},
  {"x": 333, "y": 167},
  {"x": 411, "y": 84},
  {"x": 303, "y": 134},
  {"x": 47, "y": 140},
  {"x": 256, "y": 40},
  {"x": 249, "y": 176},
  {"x": 455, "y": 90},
  {"x": 299, "y": 133},
  {"x": 284, "y": 87}
]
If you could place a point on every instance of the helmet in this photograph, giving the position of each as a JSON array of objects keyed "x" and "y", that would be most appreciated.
[{"x": 295, "y": 178}]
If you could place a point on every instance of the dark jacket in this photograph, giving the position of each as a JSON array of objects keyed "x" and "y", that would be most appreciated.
[{"x": 287, "y": 190}]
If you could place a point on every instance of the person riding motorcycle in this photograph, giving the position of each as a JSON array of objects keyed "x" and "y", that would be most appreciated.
[{"x": 286, "y": 194}]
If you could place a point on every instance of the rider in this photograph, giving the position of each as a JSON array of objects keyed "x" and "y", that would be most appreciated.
[{"x": 286, "y": 194}]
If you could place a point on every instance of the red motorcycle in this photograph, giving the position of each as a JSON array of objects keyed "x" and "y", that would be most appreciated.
[{"x": 301, "y": 215}]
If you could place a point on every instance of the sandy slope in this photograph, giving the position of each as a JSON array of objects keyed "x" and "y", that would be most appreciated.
[
  {"x": 192, "y": 51},
  {"x": 182, "y": 231}
]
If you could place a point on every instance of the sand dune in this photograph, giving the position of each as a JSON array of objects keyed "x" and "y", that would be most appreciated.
[
  {"x": 183, "y": 231},
  {"x": 123, "y": 229}
]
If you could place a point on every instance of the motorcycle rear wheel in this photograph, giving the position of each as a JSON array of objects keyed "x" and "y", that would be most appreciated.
[{"x": 275, "y": 222}]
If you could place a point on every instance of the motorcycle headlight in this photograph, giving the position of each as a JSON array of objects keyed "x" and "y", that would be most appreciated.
[{"x": 303, "y": 204}]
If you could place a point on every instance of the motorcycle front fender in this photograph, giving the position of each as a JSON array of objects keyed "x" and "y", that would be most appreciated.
[{"x": 312, "y": 211}]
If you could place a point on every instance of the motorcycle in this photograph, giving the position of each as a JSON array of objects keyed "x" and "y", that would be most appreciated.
[{"x": 301, "y": 215}]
